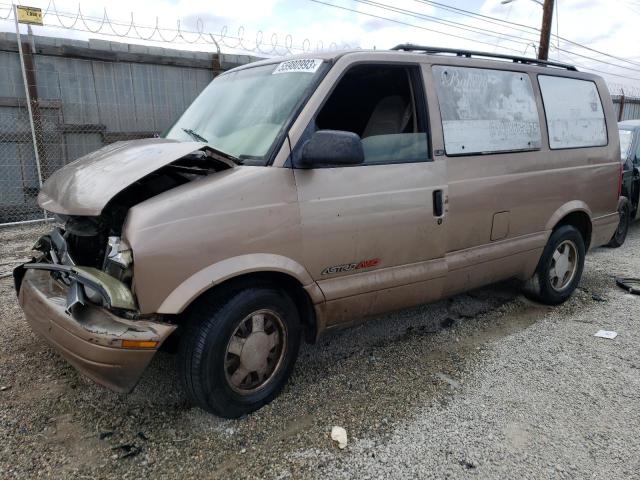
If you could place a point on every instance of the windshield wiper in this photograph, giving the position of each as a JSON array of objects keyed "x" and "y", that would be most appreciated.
[
  {"x": 200, "y": 138},
  {"x": 195, "y": 135},
  {"x": 219, "y": 153}
]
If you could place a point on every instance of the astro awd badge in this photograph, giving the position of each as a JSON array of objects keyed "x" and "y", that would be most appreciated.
[{"x": 347, "y": 267}]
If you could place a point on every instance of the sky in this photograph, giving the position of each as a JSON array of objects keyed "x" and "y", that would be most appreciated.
[{"x": 296, "y": 25}]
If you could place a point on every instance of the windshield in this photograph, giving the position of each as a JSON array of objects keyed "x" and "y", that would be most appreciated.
[
  {"x": 625, "y": 142},
  {"x": 242, "y": 113}
]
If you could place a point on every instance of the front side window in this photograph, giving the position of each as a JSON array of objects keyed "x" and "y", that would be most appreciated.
[
  {"x": 242, "y": 113},
  {"x": 486, "y": 111},
  {"x": 384, "y": 105},
  {"x": 574, "y": 112}
]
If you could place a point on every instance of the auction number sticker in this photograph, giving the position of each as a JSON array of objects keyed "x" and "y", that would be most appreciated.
[{"x": 304, "y": 65}]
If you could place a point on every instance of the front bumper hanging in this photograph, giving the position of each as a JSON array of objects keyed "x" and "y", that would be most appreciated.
[
  {"x": 113, "y": 292},
  {"x": 111, "y": 350}
]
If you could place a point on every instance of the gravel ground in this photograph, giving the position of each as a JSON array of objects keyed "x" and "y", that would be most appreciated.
[{"x": 483, "y": 385}]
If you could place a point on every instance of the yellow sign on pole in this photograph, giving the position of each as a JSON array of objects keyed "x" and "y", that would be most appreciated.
[{"x": 30, "y": 15}]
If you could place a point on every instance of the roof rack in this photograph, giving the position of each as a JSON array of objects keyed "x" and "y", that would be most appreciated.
[{"x": 409, "y": 47}]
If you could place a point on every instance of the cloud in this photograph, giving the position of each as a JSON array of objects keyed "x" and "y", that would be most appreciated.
[{"x": 605, "y": 26}]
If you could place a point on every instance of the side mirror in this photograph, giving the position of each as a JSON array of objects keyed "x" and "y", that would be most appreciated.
[{"x": 331, "y": 148}]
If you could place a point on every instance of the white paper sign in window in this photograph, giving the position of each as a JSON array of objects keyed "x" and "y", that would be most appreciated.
[
  {"x": 486, "y": 111},
  {"x": 574, "y": 112}
]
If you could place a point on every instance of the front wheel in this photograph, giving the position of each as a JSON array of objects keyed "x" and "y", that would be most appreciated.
[
  {"x": 238, "y": 353},
  {"x": 559, "y": 269},
  {"x": 623, "y": 226}
]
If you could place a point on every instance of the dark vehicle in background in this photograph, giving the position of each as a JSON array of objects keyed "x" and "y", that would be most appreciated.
[{"x": 629, "y": 131}]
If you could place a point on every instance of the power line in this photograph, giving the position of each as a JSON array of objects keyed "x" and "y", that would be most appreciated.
[
  {"x": 571, "y": 52},
  {"x": 494, "y": 20},
  {"x": 630, "y": 6},
  {"x": 400, "y": 22},
  {"x": 485, "y": 18},
  {"x": 449, "y": 23},
  {"x": 421, "y": 16},
  {"x": 584, "y": 67}
]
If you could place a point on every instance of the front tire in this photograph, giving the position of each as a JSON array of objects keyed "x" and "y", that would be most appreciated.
[
  {"x": 559, "y": 269},
  {"x": 623, "y": 226},
  {"x": 238, "y": 352}
]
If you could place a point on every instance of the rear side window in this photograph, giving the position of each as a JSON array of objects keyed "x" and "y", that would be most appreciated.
[
  {"x": 486, "y": 111},
  {"x": 574, "y": 112}
]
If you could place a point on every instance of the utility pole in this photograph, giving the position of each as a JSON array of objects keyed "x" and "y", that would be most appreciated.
[{"x": 545, "y": 30}]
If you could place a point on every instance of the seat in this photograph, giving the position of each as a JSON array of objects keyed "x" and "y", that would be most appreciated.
[{"x": 390, "y": 116}]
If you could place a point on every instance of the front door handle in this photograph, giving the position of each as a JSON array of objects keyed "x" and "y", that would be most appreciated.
[{"x": 438, "y": 203}]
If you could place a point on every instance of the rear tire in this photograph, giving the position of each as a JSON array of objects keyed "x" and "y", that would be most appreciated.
[
  {"x": 559, "y": 269},
  {"x": 238, "y": 352},
  {"x": 623, "y": 226}
]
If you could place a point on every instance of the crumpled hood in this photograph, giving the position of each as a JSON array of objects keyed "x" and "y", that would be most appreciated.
[{"x": 85, "y": 186}]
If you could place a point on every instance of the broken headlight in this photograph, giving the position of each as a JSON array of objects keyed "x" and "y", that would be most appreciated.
[{"x": 118, "y": 259}]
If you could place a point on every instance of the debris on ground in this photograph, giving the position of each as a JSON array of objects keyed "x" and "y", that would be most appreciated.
[
  {"x": 631, "y": 285},
  {"x": 447, "y": 323},
  {"x": 447, "y": 379},
  {"x": 466, "y": 464},
  {"x": 339, "y": 435},
  {"x": 127, "y": 450},
  {"x": 606, "y": 334}
]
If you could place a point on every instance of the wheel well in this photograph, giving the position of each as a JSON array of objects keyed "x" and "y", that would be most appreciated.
[
  {"x": 282, "y": 281},
  {"x": 581, "y": 221}
]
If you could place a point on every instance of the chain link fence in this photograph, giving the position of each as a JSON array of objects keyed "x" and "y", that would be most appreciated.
[
  {"x": 85, "y": 95},
  {"x": 19, "y": 180}
]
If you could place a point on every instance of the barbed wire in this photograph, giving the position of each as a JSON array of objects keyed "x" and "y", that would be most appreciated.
[
  {"x": 78, "y": 21},
  {"x": 105, "y": 25},
  {"x": 618, "y": 89}
]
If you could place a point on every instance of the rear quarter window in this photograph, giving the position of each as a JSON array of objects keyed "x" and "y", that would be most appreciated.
[
  {"x": 486, "y": 111},
  {"x": 575, "y": 117}
]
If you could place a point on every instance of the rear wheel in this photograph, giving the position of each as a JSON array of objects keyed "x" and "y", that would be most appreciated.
[
  {"x": 238, "y": 353},
  {"x": 623, "y": 226},
  {"x": 560, "y": 267}
]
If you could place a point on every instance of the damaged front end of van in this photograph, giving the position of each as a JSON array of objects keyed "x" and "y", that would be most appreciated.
[
  {"x": 78, "y": 291},
  {"x": 144, "y": 227}
]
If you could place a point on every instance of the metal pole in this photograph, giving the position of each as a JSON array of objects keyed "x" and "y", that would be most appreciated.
[
  {"x": 545, "y": 31},
  {"x": 621, "y": 109},
  {"x": 28, "y": 97}
]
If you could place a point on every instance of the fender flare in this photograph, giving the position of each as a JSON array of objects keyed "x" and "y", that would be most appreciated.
[
  {"x": 232, "y": 267},
  {"x": 566, "y": 209}
]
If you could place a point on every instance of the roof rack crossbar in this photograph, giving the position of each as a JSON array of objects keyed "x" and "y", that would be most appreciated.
[{"x": 409, "y": 47}]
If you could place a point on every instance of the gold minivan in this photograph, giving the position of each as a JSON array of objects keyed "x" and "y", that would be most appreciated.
[{"x": 301, "y": 195}]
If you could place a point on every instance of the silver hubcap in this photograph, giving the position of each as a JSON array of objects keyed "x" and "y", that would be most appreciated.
[
  {"x": 563, "y": 265},
  {"x": 255, "y": 351}
]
